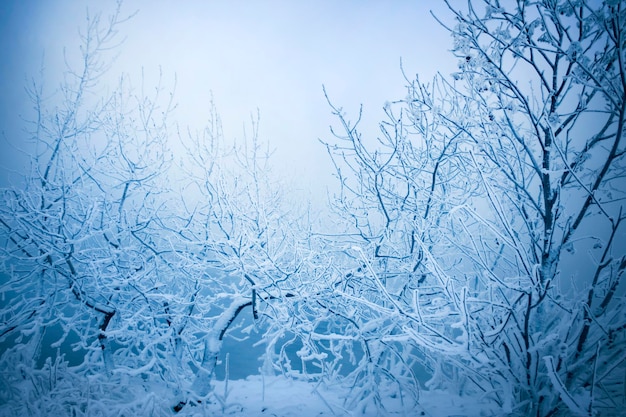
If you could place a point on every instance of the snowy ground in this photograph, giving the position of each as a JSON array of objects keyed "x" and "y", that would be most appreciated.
[{"x": 277, "y": 396}]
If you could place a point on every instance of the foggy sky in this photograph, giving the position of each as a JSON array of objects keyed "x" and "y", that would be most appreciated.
[{"x": 273, "y": 56}]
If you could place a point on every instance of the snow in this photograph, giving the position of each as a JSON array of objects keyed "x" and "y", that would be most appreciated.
[{"x": 279, "y": 396}]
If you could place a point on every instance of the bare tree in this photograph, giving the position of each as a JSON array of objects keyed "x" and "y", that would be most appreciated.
[
  {"x": 239, "y": 220},
  {"x": 87, "y": 249},
  {"x": 488, "y": 216},
  {"x": 113, "y": 255}
]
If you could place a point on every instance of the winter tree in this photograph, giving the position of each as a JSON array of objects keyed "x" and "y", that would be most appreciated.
[
  {"x": 484, "y": 226},
  {"x": 113, "y": 257}
]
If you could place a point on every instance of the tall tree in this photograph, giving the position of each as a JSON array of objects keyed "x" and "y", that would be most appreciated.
[{"x": 488, "y": 217}]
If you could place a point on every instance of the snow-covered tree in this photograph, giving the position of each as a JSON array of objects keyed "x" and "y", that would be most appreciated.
[
  {"x": 114, "y": 258},
  {"x": 484, "y": 225}
]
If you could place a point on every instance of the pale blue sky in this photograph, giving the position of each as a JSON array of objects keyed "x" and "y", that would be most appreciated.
[{"x": 270, "y": 55}]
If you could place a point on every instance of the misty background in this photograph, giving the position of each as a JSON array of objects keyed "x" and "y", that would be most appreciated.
[{"x": 270, "y": 56}]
